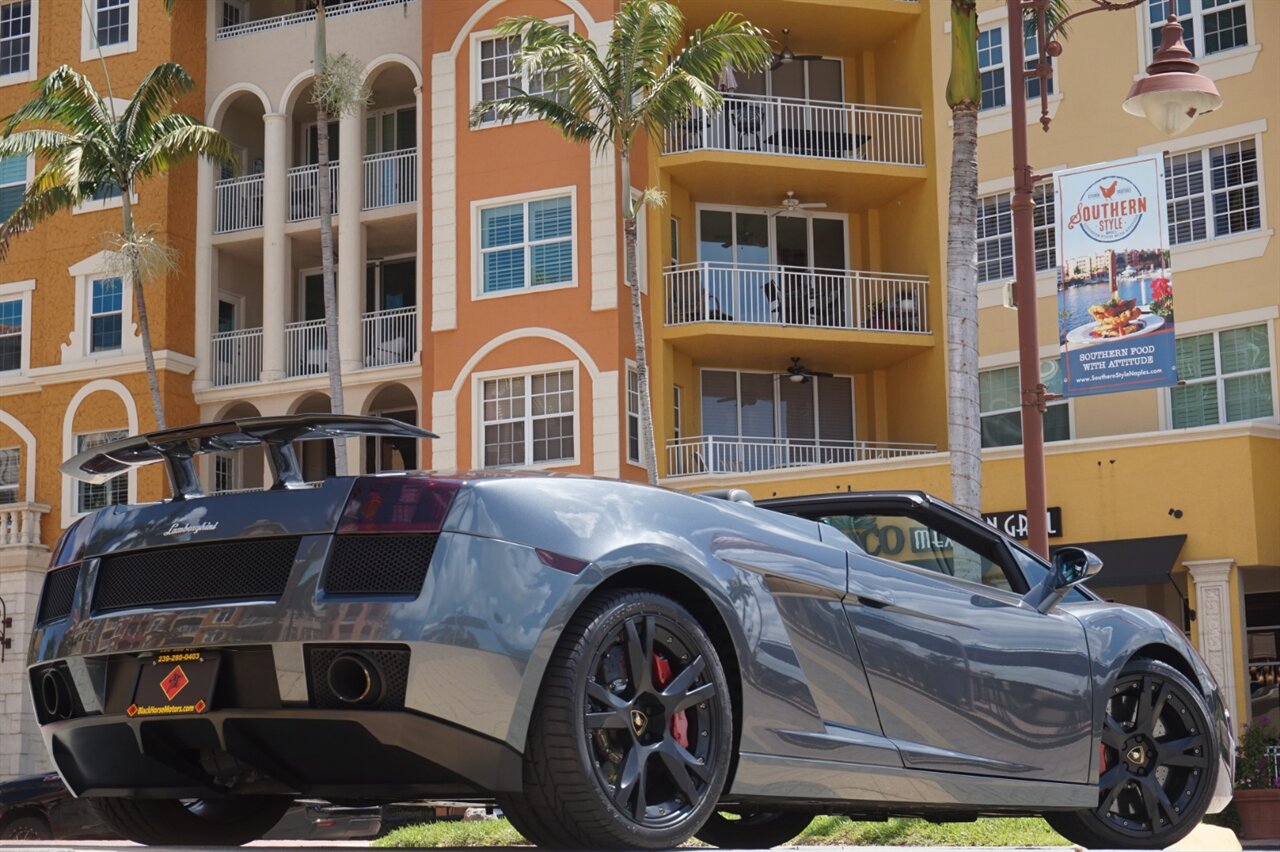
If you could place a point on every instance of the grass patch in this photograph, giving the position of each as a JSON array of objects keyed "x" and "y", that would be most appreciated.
[
  {"x": 453, "y": 833},
  {"x": 824, "y": 831},
  {"x": 1011, "y": 831}
]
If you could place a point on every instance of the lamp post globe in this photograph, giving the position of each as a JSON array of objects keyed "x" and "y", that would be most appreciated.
[{"x": 1174, "y": 93}]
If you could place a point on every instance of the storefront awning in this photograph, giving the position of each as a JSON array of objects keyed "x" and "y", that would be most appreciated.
[{"x": 1132, "y": 561}]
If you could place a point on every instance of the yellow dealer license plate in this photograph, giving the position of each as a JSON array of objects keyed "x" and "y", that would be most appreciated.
[{"x": 174, "y": 684}]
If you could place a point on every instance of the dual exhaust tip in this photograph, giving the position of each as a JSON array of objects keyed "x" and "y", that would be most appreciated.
[{"x": 355, "y": 680}]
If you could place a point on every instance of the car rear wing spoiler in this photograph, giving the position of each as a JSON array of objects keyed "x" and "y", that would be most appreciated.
[{"x": 178, "y": 447}]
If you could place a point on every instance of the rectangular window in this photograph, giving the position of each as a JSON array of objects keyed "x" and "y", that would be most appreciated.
[
  {"x": 995, "y": 233},
  {"x": 1001, "y": 413},
  {"x": 1208, "y": 26},
  {"x": 13, "y": 183},
  {"x": 633, "y": 416},
  {"x": 526, "y": 244},
  {"x": 675, "y": 241},
  {"x": 498, "y": 74},
  {"x": 1228, "y": 202},
  {"x": 10, "y": 460},
  {"x": 90, "y": 498},
  {"x": 677, "y": 418},
  {"x": 528, "y": 419},
  {"x": 10, "y": 335},
  {"x": 15, "y": 38},
  {"x": 224, "y": 473},
  {"x": 106, "y": 314},
  {"x": 1225, "y": 376},
  {"x": 1031, "y": 60},
  {"x": 112, "y": 22},
  {"x": 991, "y": 67}
]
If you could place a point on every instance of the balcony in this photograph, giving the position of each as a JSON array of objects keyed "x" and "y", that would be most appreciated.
[
  {"x": 758, "y": 294},
  {"x": 20, "y": 524},
  {"x": 332, "y": 10},
  {"x": 390, "y": 337},
  {"x": 760, "y": 124},
  {"x": 238, "y": 204},
  {"x": 716, "y": 454},
  {"x": 304, "y": 191},
  {"x": 306, "y": 350},
  {"x": 237, "y": 357},
  {"x": 390, "y": 178}
]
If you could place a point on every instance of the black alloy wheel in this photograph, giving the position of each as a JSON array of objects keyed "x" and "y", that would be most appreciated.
[
  {"x": 28, "y": 827},
  {"x": 629, "y": 745},
  {"x": 1158, "y": 763},
  {"x": 753, "y": 830},
  {"x": 230, "y": 821}
]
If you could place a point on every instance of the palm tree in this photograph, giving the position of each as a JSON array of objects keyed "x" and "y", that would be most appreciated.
[
  {"x": 964, "y": 96},
  {"x": 88, "y": 147},
  {"x": 644, "y": 80}
]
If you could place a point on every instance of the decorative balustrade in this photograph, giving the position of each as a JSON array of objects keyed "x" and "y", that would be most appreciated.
[
  {"x": 304, "y": 191},
  {"x": 760, "y": 294},
  {"x": 792, "y": 127},
  {"x": 20, "y": 524},
  {"x": 390, "y": 337},
  {"x": 306, "y": 351},
  {"x": 703, "y": 454},
  {"x": 331, "y": 11},
  {"x": 390, "y": 178},
  {"x": 238, "y": 205},
  {"x": 237, "y": 357}
]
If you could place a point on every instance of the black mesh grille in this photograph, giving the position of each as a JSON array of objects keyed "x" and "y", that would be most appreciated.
[
  {"x": 59, "y": 592},
  {"x": 392, "y": 665},
  {"x": 378, "y": 564},
  {"x": 250, "y": 569}
]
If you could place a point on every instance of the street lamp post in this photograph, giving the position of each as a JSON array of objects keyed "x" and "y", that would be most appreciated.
[{"x": 1171, "y": 96}]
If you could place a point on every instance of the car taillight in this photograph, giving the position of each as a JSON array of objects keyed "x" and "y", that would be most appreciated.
[
  {"x": 400, "y": 504},
  {"x": 71, "y": 544}
]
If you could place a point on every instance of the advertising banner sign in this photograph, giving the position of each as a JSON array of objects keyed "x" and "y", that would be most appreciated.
[{"x": 1115, "y": 287}]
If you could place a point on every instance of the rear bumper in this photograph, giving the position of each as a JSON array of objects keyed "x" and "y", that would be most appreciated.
[{"x": 374, "y": 755}]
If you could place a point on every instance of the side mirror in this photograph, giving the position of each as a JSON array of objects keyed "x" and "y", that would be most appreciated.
[{"x": 1071, "y": 567}]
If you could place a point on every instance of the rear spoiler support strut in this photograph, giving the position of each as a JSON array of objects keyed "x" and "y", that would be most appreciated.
[{"x": 179, "y": 447}]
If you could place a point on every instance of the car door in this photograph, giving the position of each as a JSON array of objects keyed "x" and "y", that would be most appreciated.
[{"x": 965, "y": 676}]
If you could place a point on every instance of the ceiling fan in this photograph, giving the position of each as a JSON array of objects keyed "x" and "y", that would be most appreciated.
[
  {"x": 791, "y": 204},
  {"x": 782, "y": 57},
  {"x": 800, "y": 374}
]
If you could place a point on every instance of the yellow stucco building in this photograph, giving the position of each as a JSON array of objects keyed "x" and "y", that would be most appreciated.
[{"x": 1179, "y": 488}]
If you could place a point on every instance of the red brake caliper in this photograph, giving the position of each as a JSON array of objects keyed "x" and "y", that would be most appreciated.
[
  {"x": 679, "y": 721},
  {"x": 1102, "y": 759}
]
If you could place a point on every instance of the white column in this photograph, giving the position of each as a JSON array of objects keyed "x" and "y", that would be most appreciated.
[
  {"x": 1216, "y": 622},
  {"x": 275, "y": 247},
  {"x": 443, "y": 167},
  {"x": 206, "y": 284},
  {"x": 606, "y": 430},
  {"x": 418, "y": 259}
]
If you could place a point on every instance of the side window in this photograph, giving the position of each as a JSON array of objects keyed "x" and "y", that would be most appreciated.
[{"x": 906, "y": 540}]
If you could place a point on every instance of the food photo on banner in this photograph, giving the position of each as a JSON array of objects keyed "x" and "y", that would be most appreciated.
[{"x": 1115, "y": 286}]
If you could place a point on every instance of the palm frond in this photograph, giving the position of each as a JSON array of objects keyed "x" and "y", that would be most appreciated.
[
  {"x": 574, "y": 126},
  {"x": 155, "y": 96},
  {"x": 192, "y": 140},
  {"x": 64, "y": 98},
  {"x": 35, "y": 207},
  {"x": 40, "y": 143}
]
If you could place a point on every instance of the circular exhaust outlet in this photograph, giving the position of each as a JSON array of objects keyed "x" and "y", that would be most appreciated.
[
  {"x": 354, "y": 679},
  {"x": 55, "y": 695}
]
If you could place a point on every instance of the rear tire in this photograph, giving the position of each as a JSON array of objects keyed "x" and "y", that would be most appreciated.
[
  {"x": 26, "y": 828},
  {"x": 753, "y": 830},
  {"x": 232, "y": 821},
  {"x": 1160, "y": 753},
  {"x": 630, "y": 741}
]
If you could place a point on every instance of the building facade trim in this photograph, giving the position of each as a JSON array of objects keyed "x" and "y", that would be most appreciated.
[{"x": 69, "y": 438}]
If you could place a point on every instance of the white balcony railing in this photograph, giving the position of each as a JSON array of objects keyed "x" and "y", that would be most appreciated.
[
  {"x": 791, "y": 127},
  {"x": 758, "y": 294},
  {"x": 305, "y": 350},
  {"x": 238, "y": 204},
  {"x": 332, "y": 10},
  {"x": 304, "y": 191},
  {"x": 391, "y": 337},
  {"x": 390, "y": 178},
  {"x": 20, "y": 523},
  {"x": 703, "y": 454},
  {"x": 237, "y": 357}
]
